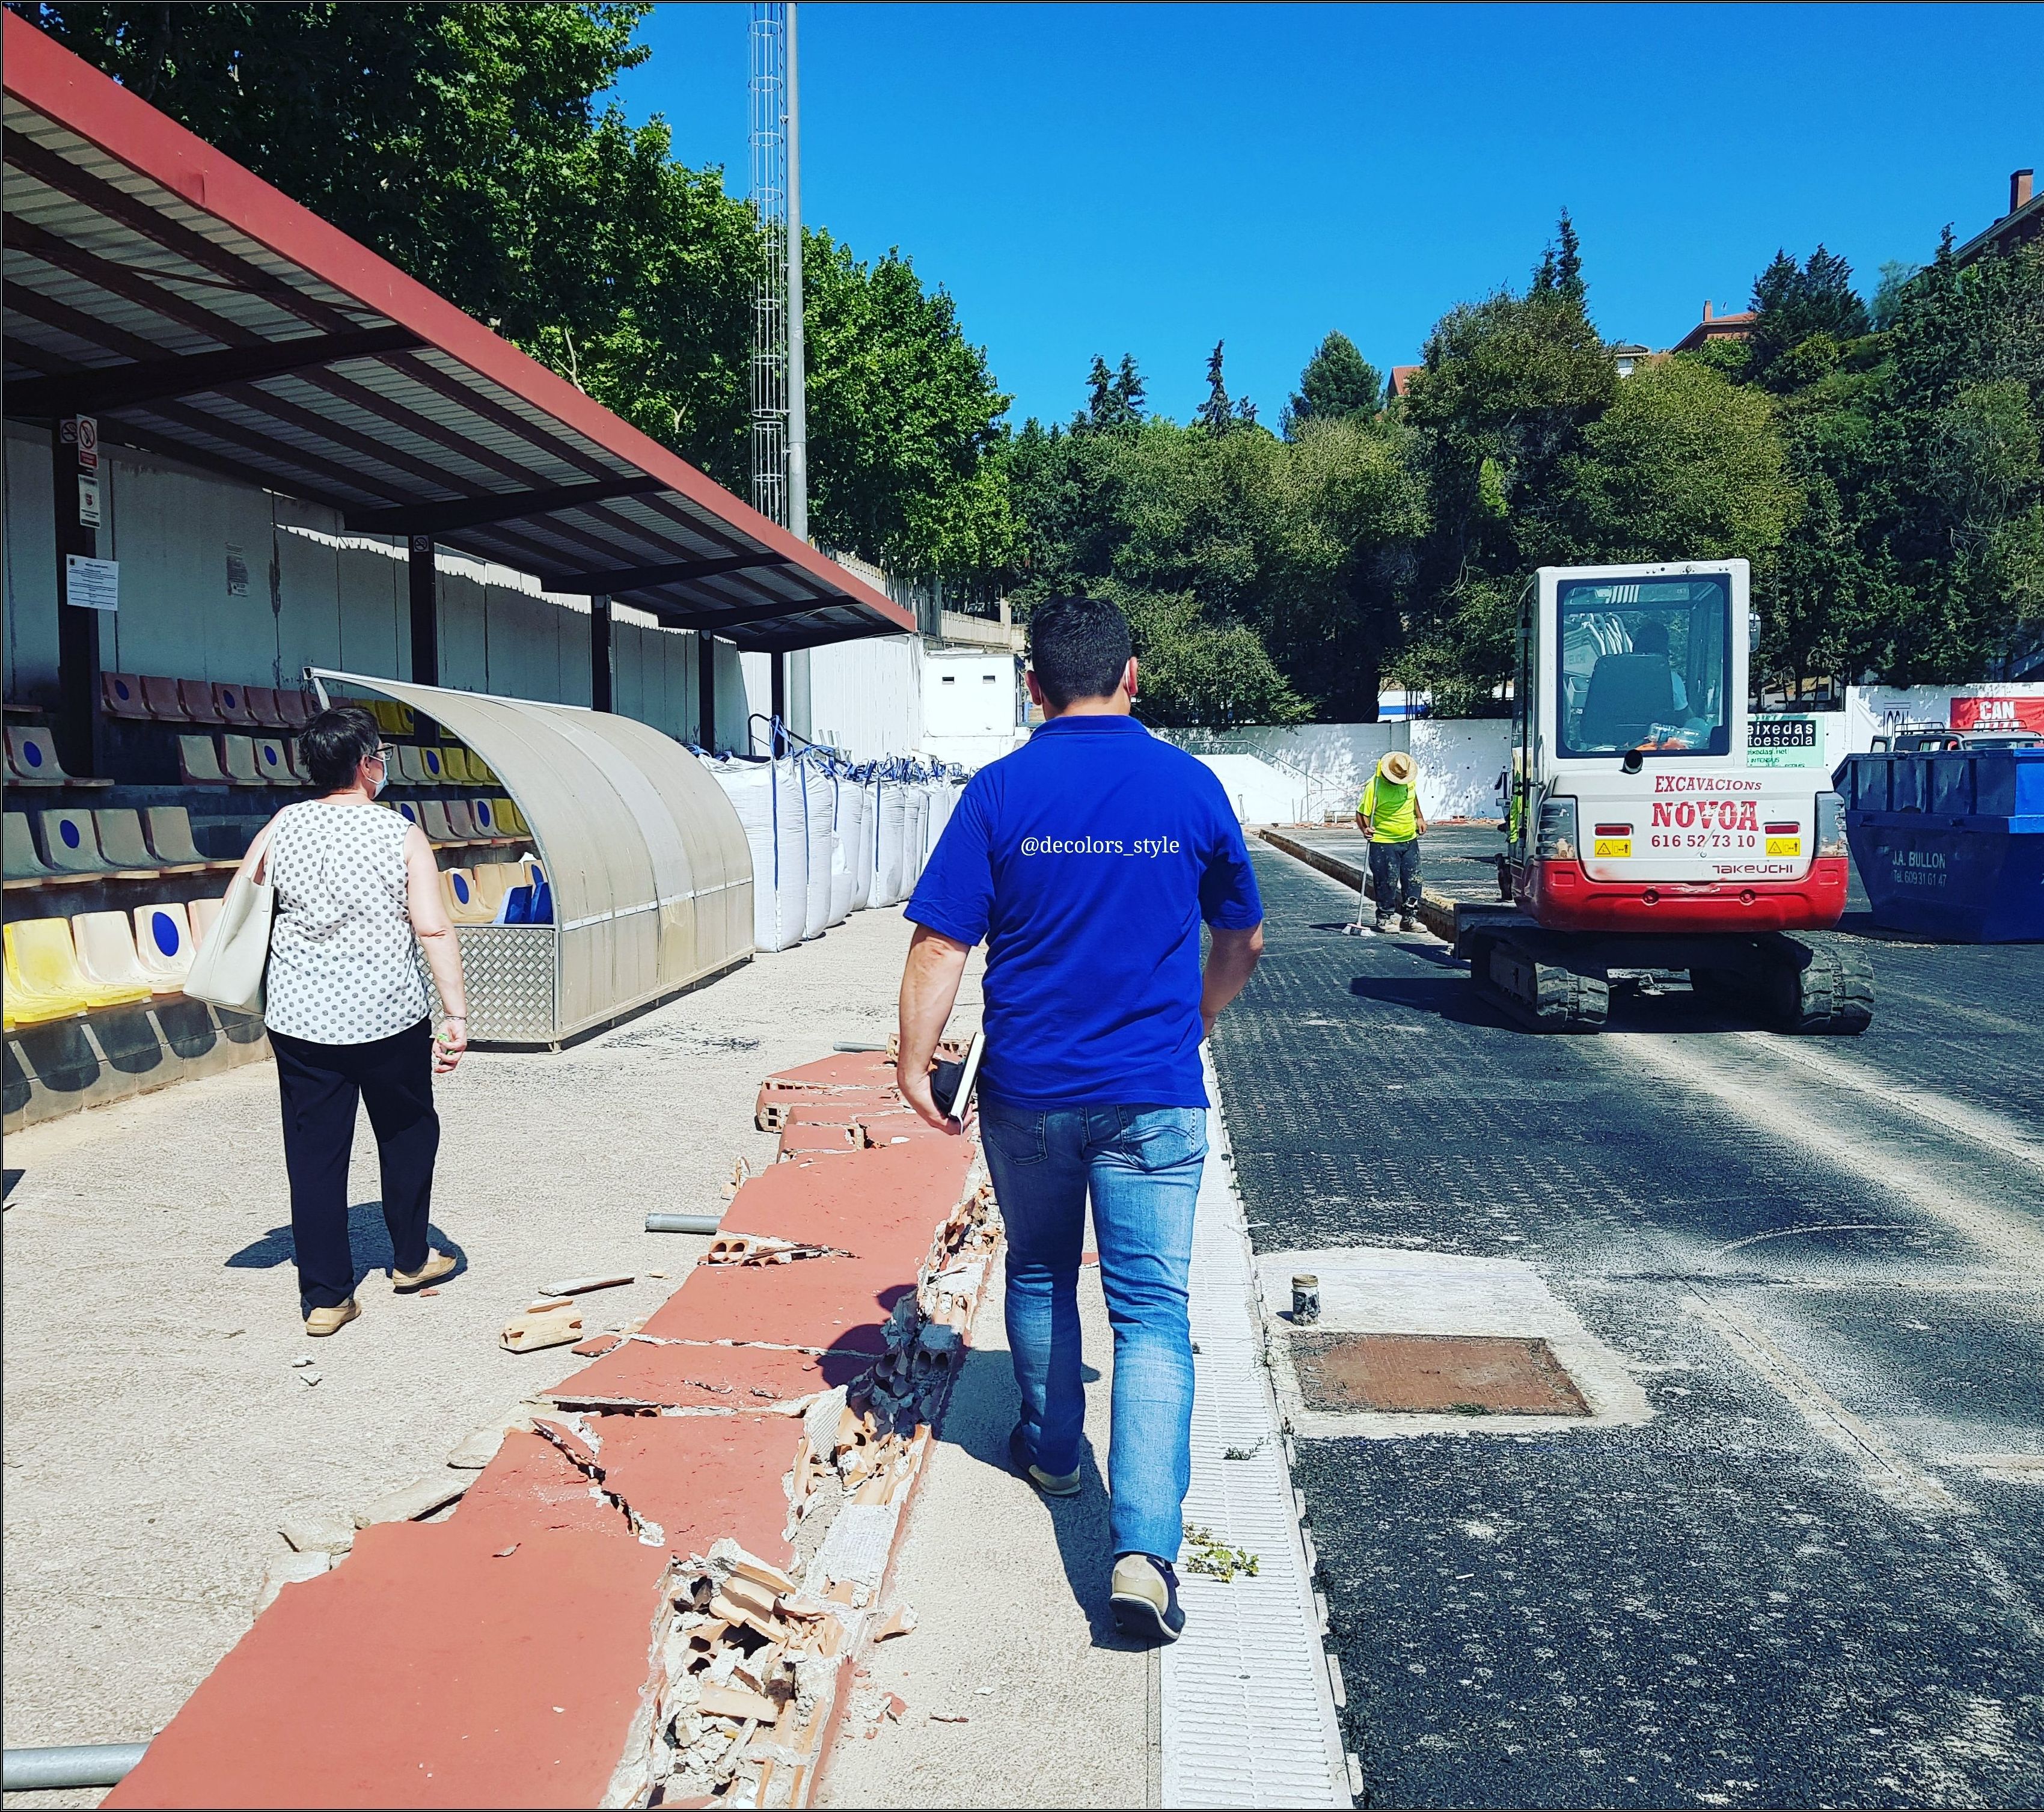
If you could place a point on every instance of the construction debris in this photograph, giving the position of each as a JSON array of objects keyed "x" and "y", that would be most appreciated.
[
  {"x": 531, "y": 1331},
  {"x": 900, "y": 1623},
  {"x": 290, "y": 1569},
  {"x": 416, "y": 1501},
  {"x": 318, "y": 1532},
  {"x": 581, "y": 1286},
  {"x": 763, "y": 1249}
]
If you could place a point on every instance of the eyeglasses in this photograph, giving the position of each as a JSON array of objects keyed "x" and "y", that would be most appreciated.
[{"x": 383, "y": 753}]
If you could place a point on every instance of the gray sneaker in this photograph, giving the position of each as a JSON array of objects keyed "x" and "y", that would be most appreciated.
[
  {"x": 1051, "y": 1484},
  {"x": 1144, "y": 1599}
]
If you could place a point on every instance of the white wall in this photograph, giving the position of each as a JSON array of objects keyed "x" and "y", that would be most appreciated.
[
  {"x": 867, "y": 697},
  {"x": 1324, "y": 765},
  {"x": 220, "y": 581},
  {"x": 1876, "y": 710}
]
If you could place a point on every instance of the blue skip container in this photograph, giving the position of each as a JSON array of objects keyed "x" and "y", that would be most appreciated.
[{"x": 1950, "y": 845}]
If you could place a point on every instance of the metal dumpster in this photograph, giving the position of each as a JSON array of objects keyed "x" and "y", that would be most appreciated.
[{"x": 1950, "y": 844}]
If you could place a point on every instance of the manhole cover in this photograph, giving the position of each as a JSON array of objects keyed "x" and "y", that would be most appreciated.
[{"x": 1451, "y": 1374}]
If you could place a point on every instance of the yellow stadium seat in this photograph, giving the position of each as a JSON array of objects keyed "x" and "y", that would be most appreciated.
[
  {"x": 454, "y": 762},
  {"x": 464, "y": 904},
  {"x": 480, "y": 770},
  {"x": 106, "y": 954},
  {"x": 164, "y": 945},
  {"x": 28, "y": 1006},
  {"x": 40, "y": 953},
  {"x": 510, "y": 819}
]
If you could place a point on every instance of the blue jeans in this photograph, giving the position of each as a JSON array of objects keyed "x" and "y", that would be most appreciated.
[{"x": 1141, "y": 1166}]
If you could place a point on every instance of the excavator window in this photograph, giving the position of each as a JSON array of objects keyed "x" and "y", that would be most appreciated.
[{"x": 1645, "y": 665}]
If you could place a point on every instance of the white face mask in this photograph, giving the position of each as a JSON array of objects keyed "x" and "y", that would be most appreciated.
[{"x": 382, "y": 777}]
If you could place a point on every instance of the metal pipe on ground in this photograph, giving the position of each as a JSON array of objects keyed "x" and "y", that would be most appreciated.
[
  {"x": 683, "y": 1224},
  {"x": 70, "y": 1764}
]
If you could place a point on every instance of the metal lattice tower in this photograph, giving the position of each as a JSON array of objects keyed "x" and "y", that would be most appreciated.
[{"x": 769, "y": 97}]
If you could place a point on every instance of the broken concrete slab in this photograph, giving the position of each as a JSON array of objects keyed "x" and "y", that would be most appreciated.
[
  {"x": 486, "y": 1680},
  {"x": 655, "y": 1372},
  {"x": 290, "y": 1569},
  {"x": 531, "y": 1484},
  {"x": 411, "y": 1502},
  {"x": 531, "y": 1333},
  {"x": 318, "y": 1532}
]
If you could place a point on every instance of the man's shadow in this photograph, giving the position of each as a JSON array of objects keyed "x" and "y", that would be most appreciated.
[
  {"x": 368, "y": 1243},
  {"x": 978, "y": 1419}
]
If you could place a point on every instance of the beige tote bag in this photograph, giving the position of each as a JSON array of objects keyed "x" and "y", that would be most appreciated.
[{"x": 228, "y": 971}]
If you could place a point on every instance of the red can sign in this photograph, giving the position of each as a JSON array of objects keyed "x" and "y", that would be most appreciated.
[{"x": 1998, "y": 713}]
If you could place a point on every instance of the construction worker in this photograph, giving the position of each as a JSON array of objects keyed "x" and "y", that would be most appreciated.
[{"x": 1389, "y": 814}]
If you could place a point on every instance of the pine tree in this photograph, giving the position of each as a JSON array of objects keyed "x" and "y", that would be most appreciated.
[
  {"x": 1130, "y": 392},
  {"x": 1216, "y": 414},
  {"x": 1338, "y": 381},
  {"x": 1568, "y": 261}
]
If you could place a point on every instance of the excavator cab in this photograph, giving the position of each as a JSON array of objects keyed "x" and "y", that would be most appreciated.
[{"x": 1644, "y": 833}]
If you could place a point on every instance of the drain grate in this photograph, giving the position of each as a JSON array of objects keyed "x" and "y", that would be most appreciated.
[{"x": 1451, "y": 1374}]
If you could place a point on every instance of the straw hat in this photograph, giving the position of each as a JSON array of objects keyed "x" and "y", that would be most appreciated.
[{"x": 1398, "y": 768}]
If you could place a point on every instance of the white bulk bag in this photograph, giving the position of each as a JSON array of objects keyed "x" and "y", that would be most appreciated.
[
  {"x": 889, "y": 825},
  {"x": 819, "y": 823},
  {"x": 913, "y": 850},
  {"x": 767, "y": 797},
  {"x": 848, "y": 822},
  {"x": 869, "y": 818}
]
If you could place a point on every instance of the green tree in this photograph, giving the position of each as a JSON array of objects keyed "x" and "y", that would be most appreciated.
[
  {"x": 1338, "y": 381},
  {"x": 1216, "y": 414},
  {"x": 1795, "y": 305}
]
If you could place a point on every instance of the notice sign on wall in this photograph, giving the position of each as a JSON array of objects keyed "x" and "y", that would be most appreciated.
[
  {"x": 88, "y": 501},
  {"x": 1997, "y": 712},
  {"x": 237, "y": 571},
  {"x": 92, "y": 584},
  {"x": 1774, "y": 742}
]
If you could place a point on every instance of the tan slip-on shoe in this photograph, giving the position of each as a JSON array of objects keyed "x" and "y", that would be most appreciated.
[
  {"x": 437, "y": 1265},
  {"x": 321, "y": 1322},
  {"x": 1144, "y": 1599}
]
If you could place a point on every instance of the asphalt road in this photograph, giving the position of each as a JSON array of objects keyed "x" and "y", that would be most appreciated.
[{"x": 1815, "y": 1575}]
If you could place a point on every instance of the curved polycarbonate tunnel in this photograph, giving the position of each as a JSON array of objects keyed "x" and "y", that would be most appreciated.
[{"x": 650, "y": 873}]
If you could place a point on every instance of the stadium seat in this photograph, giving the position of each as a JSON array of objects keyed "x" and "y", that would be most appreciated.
[
  {"x": 407, "y": 810},
  {"x": 436, "y": 769},
  {"x": 269, "y": 714},
  {"x": 521, "y": 826},
  {"x": 168, "y": 828},
  {"x": 121, "y": 696},
  {"x": 480, "y": 771},
  {"x": 459, "y": 816},
  {"x": 163, "y": 946},
  {"x": 300, "y": 771},
  {"x": 433, "y": 816},
  {"x": 42, "y": 956},
  {"x": 410, "y": 770},
  {"x": 493, "y": 881},
  {"x": 32, "y": 759},
  {"x": 295, "y": 709},
  {"x": 121, "y": 840},
  {"x": 25, "y": 862},
  {"x": 202, "y": 915},
  {"x": 198, "y": 762},
  {"x": 70, "y": 845},
  {"x": 28, "y": 1005},
  {"x": 106, "y": 958},
  {"x": 464, "y": 904},
  {"x": 484, "y": 814},
  {"x": 196, "y": 697},
  {"x": 161, "y": 697},
  {"x": 273, "y": 764},
  {"x": 392, "y": 715},
  {"x": 232, "y": 703},
  {"x": 237, "y": 756}
]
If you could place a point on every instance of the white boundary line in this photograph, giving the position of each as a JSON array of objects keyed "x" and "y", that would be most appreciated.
[{"x": 1249, "y": 1692}]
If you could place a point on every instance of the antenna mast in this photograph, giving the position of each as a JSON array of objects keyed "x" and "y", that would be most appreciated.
[{"x": 769, "y": 102}]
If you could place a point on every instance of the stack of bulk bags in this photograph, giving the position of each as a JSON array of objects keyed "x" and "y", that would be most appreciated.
[
  {"x": 768, "y": 798},
  {"x": 847, "y": 845},
  {"x": 916, "y": 798},
  {"x": 860, "y": 793},
  {"x": 818, "y": 826},
  {"x": 890, "y": 825}
]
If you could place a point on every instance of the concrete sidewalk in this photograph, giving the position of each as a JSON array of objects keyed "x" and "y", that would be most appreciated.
[{"x": 156, "y": 1431}]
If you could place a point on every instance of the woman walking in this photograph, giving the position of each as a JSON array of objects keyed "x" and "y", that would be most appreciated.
[{"x": 357, "y": 898}]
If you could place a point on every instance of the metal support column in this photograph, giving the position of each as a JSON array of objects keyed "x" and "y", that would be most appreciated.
[
  {"x": 423, "y": 583},
  {"x": 602, "y": 674},
  {"x": 779, "y": 663},
  {"x": 77, "y": 727},
  {"x": 706, "y": 691},
  {"x": 798, "y": 413}
]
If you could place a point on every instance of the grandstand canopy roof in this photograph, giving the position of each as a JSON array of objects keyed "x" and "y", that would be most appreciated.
[{"x": 153, "y": 283}]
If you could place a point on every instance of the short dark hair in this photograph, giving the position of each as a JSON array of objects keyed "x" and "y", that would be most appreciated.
[
  {"x": 1077, "y": 648},
  {"x": 335, "y": 743}
]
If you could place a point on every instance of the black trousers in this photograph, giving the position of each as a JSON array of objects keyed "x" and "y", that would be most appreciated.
[{"x": 321, "y": 1085}]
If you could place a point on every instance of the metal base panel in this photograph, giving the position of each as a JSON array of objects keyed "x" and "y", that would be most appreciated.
[{"x": 1249, "y": 1712}]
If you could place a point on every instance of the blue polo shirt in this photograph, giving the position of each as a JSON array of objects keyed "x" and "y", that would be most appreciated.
[{"x": 1086, "y": 860}]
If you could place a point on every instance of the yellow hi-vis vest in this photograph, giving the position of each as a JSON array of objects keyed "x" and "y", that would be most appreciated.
[{"x": 1390, "y": 807}]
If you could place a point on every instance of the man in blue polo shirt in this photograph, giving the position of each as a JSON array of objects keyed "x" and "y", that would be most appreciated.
[{"x": 1087, "y": 860}]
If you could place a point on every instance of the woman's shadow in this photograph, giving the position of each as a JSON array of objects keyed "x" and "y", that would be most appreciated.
[{"x": 368, "y": 1242}]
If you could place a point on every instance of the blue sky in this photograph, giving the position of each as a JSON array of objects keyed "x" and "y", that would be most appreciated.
[{"x": 1152, "y": 178}]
